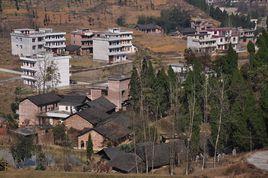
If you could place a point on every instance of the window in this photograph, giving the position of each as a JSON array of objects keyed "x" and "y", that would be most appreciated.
[
  {"x": 123, "y": 92},
  {"x": 33, "y": 40},
  {"x": 34, "y": 47},
  {"x": 82, "y": 145},
  {"x": 66, "y": 108}
]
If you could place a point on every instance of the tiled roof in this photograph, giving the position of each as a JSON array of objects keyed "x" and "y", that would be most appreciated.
[
  {"x": 45, "y": 99},
  {"x": 73, "y": 100},
  {"x": 93, "y": 115}
]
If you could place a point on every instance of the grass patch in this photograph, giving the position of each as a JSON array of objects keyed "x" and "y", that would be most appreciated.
[{"x": 50, "y": 174}]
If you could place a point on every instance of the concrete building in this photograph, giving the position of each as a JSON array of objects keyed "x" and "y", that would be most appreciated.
[
  {"x": 213, "y": 39},
  {"x": 34, "y": 67},
  {"x": 150, "y": 28},
  {"x": 116, "y": 90},
  {"x": 84, "y": 39},
  {"x": 113, "y": 46},
  {"x": 200, "y": 24},
  {"x": 29, "y": 42},
  {"x": 54, "y": 41}
]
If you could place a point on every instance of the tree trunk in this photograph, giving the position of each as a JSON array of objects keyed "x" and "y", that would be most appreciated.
[{"x": 220, "y": 122}]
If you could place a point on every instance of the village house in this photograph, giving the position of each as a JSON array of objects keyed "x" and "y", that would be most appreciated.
[
  {"x": 29, "y": 42},
  {"x": 49, "y": 109},
  {"x": 70, "y": 103},
  {"x": 116, "y": 89},
  {"x": 200, "y": 24},
  {"x": 41, "y": 135},
  {"x": 150, "y": 28},
  {"x": 92, "y": 113},
  {"x": 114, "y": 131},
  {"x": 87, "y": 118},
  {"x": 113, "y": 46},
  {"x": 32, "y": 106},
  {"x": 84, "y": 39},
  {"x": 129, "y": 162},
  {"x": 213, "y": 39},
  {"x": 34, "y": 67},
  {"x": 181, "y": 69}
]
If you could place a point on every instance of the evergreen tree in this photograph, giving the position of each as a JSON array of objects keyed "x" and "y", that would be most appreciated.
[
  {"x": 161, "y": 92},
  {"x": 264, "y": 106},
  {"x": 247, "y": 125},
  {"x": 89, "y": 147},
  {"x": 251, "y": 51},
  {"x": 23, "y": 148},
  {"x": 1, "y": 6},
  {"x": 172, "y": 78},
  {"x": 135, "y": 88}
]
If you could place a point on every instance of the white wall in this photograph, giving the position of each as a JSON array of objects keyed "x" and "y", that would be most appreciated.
[{"x": 100, "y": 49}]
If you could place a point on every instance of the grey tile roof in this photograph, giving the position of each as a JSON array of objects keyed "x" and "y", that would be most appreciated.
[
  {"x": 44, "y": 99},
  {"x": 73, "y": 100},
  {"x": 102, "y": 104},
  {"x": 93, "y": 115}
]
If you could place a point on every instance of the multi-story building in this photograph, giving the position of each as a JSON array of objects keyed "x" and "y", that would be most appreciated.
[
  {"x": 213, "y": 39},
  {"x": 54, "y": 41},
  {"x": 34, "y": 67},
  {"x": 113, "y": 46},
  {"x": 84, "y": 39},
  {"x": 200, "y": 24},
  {"x": 29, "y": 42}
]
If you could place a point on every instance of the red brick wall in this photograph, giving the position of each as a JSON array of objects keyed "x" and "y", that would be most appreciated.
[
  {"x": 118, "y": 92},
  {"x": 95, "y": 93},
  {"x": 97, "y": 140},
  {"x": 76, "y": 122},
  {"x": 27, "y": 113},
  {"x": 45, "y": 137},
  {"x": 76, "y": 39}
]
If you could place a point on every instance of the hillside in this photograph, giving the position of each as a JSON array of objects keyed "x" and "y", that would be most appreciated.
[{"x": 82, "y": 13}]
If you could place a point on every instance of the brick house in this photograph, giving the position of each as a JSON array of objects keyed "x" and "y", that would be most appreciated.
[
  {"x": 113, "y": 132},
  {"x": 92, "y": 113},
  {"x": 32, "y": 106},
  {"x": 150, "y": 28},
  {"x": 116, "y": 90},
  {"x": 87, "y": 118},
  {"x": 84, "y": 39}
]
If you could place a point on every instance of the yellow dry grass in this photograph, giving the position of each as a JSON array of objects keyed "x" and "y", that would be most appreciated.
[
  {"x": 50, "y": 174},
  {"x": 159, "y": 43}
]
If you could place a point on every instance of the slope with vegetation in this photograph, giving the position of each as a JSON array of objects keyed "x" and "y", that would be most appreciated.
[{"x": 213, "y": 113}]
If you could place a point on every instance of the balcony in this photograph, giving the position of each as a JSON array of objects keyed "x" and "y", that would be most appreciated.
[
  {"x": 115, "y": 46},
  {"x": 24, "y": 76},
  {"x": 28, "y": 68},
  {"x": 55, "y": 46},
  {"x": 55, "y": 39}
]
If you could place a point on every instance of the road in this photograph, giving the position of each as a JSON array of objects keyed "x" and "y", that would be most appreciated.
[
  {"x": 10, "y": 71},
  {"x": 259, "y": 160}
]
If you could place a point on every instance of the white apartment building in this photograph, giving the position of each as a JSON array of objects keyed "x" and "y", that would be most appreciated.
[
  {"x": 213, "y": 39},
  {"x": 113, "y": 46},
  {"x": 29, "y": 42},
  {"x": 33, "y": 68},
  {"x": 54, "y": 41}
]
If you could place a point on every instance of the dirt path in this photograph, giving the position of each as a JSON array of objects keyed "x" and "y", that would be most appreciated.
[
  {"x": 10, "y": 71},
  {"x": 259, "y": 160}
]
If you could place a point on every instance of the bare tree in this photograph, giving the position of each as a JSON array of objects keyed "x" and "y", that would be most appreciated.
[
  {"x": 47, "y": 75},
  {"x": 192, "y": 103},
  {"x": 220, "y": 120}
]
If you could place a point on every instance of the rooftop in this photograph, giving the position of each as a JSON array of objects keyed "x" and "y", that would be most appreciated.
[
  {"x": 118, "y": 77},
  {"x": 93, "y": 115},
  {"x": 73, "y": 100},
  {"x": 44, "y": 99}
]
